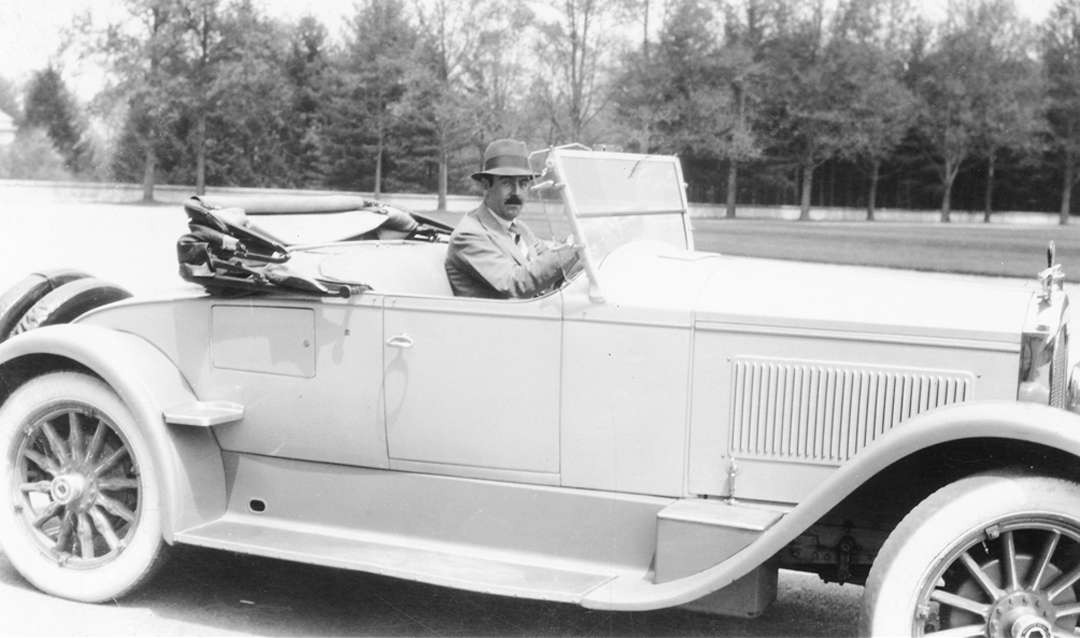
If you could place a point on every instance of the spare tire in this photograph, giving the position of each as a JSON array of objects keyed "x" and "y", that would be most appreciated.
[
  {"x": 21, "y": 297},
  {"x": 68, "y": 302}
]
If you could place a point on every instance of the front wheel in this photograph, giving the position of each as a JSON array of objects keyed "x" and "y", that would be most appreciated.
[
  {"x": 80, "y": 515},
  {"x": 985, "y": 556}
]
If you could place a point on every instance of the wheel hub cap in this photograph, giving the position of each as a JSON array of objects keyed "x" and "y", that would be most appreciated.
[
  {"x": 1022, "y": 615},
  {"x": 68, "y": 488}
]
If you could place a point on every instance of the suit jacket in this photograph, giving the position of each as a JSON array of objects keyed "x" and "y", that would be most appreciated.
[{"x": 483, "y": 261}]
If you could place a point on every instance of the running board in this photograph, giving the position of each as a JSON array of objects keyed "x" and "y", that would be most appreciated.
[{"x": 447, "y": 566}]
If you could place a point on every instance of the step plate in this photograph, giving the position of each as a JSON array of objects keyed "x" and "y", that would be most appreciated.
[{"x": 447, "y": 568}]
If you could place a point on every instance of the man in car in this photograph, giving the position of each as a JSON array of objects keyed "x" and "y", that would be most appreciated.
[{"x": 492, "y": 253}]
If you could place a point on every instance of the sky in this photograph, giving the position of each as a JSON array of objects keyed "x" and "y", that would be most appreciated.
[{"x": 30, "y": 30}]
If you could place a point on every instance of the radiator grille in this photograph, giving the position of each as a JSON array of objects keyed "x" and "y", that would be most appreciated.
[
  {"x": 1059, "y": 374},
  {"x": 825, "y": 413}
]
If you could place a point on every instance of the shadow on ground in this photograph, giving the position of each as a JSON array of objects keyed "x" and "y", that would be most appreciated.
[{"x": 232, "y": 592}]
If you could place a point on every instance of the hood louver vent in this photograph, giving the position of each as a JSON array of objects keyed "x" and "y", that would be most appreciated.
[{"x": 824, "y": 412}]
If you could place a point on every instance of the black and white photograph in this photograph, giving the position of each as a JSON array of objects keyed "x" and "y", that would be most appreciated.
[{"x": 637, "y": 318}]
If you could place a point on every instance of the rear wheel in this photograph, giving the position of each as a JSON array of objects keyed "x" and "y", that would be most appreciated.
[
  {"x": 80, "y": 514},
  {"x": 985, "y": 556}
]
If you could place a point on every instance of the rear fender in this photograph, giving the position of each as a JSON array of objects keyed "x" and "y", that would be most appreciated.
[
  {"x": 1028, "y": 422},
  {"x": 189, "y": 458}
]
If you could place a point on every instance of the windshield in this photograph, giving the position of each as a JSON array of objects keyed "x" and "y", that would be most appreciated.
[{"x": 615, "y": 198}]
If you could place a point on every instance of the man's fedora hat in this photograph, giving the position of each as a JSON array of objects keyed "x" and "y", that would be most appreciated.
[{"x": 505, "y": 157}]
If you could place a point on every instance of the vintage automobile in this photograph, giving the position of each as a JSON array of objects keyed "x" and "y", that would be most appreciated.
[{"x": 669, "y": 427}]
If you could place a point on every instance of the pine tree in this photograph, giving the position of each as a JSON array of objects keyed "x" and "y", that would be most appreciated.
[{"x": 51, "y": 107}]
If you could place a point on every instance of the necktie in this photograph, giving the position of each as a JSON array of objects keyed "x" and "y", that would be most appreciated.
[{"x": 518, "y": 241}]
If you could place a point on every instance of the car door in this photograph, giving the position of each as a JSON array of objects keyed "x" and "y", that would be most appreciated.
[{"x": 472, "y": 386}]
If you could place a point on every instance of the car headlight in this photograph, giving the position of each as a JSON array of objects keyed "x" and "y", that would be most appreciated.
[{"x": 1044, "y": 346}]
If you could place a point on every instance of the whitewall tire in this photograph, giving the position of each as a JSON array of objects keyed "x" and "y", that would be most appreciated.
[
  {"x": 988, "y": 555},
  {"x": 80, "y": 509}
]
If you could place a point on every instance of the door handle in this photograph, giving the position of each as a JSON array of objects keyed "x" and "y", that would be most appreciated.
[{"x": 402, "y": 341}]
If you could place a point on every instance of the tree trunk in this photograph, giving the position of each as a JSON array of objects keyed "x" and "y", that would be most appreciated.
[
  {"x": 645, "y": 34},
  {"x": 946, "y": 202},
  {"x": 378, "y": 162},
  {"x": 200, "y": 155},
  {"x": 732, "y": 187},
  {"x": 807, "y": 185},
  {"x": 989, "y": 197},
  {"x": 733, "y": 166},
  {"x": 875, "y": 176},
  {"x": 1066, "y": 188},
  {"x": 202, "y": 86},
  {"x": 378, "y": 170},
  {"x": 149, "y": 171},
  {"x": 948, "y": 177},
  {"x": 444, "y": 160}
]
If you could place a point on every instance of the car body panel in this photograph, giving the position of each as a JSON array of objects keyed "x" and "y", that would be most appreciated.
[
  {"x": 263, "y": 339},
  {"x": 631, "y": 437},
  {"x": 473, "y": 387},
  {"x": 787, "y": 406},
  {"x": 879, "y": 301},
  {"x": 492, "y": 536}
]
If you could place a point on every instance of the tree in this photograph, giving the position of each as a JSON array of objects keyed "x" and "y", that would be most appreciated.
[
  {"x": 224, "y": 123},
  {"x": 468, "y": 76},
  {"x": 641, "y": 101},
  {"x": 570, "y": 90},
  {"x": 1008, "y": 115},
  {"x": 141, "y": 53},
  {"x": 871, "y": 37},
  {"x": 690, "y": 96},
  {"x": 249, "y": 124},
  {"x": 51, "y": 107},
  {"x": 307, "y": 68},
  {"x": 805, "y": 113},
  {"x": 382, "y": 48},
  {"x": 1061, "y": 57},
  {"x": 743, "y": 55},
  {"x": 204, "y": 34},
  {"x": 32, "y": 156},
  {"x": 961, "y": 103},
  {"x": 699, "y": 100},
  {"x": 366, "y": 94}
]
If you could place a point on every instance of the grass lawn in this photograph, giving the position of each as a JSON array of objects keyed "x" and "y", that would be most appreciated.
[{"x": 984, "y": 249}]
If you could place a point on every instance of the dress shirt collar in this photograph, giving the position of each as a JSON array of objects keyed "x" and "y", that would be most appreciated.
[{"x": 502, "y": 222}]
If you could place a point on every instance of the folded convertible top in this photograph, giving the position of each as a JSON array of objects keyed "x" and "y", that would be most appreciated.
[
  {"x": 263, "y": 205},
  {"x": 227, "y": 256}
]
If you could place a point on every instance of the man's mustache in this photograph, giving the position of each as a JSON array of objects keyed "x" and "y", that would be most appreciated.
[{"x": 514, "y": 200}]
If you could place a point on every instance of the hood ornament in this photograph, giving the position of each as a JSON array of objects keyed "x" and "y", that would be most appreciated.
[{"x": 1052, "y": 279}]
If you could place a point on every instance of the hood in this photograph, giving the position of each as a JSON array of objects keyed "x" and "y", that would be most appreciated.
[{"x": 705, "y": 287}]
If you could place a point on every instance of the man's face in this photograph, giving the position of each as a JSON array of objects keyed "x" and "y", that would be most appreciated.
[{"x": 505, "y": 195}]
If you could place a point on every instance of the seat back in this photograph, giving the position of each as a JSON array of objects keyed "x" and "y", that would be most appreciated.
[{"x": 399, "y": 267}]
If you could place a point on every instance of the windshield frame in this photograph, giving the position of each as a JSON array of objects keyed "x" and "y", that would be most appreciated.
[{"x": 554, "y": 170}]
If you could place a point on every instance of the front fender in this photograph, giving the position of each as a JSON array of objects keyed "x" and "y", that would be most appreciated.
[
  {"x": 188, "y": 458},
  {"x": 1029, "y": 422}
]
